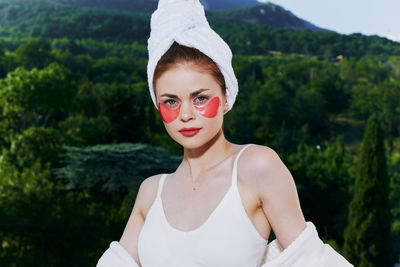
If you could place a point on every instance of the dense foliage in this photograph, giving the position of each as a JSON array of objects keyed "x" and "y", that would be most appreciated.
[
  {"x": 78, "y": 130},
  {"x": 367, "y": 236}
]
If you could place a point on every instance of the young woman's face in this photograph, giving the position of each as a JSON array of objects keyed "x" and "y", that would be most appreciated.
[{"x": 187, "y": 98}]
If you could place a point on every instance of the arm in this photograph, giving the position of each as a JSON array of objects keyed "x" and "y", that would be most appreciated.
[
  {"x": 129, "y": 238},
  {"x": 125, "y": 252},
  {"x": 297, "y": 243},
  {"x": 277, "y": 193}
]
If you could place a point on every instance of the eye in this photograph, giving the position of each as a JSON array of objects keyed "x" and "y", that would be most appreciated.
[
  {"x": 200, "y": 100},
  {"x": 171, "y": 103}
]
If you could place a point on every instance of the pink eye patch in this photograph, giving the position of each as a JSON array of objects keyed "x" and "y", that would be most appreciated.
[
  {"x": 210, "y": 110},
  {"x": 167, "y": 114}
]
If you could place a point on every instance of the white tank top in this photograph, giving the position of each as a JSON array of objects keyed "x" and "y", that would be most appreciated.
[{"x": 227, "y": 238}]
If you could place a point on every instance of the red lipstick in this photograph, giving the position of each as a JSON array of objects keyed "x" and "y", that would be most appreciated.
[{"x": 189, "y": 131}]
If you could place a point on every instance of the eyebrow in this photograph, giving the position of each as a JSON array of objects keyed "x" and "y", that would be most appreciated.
[{"x": 195, "y": 93}]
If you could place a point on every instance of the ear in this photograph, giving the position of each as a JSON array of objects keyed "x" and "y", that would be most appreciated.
[{"x": 226, "y": 106}]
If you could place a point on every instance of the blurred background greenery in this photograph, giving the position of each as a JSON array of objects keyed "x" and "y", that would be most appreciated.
[{"x": 78, "y": 130}]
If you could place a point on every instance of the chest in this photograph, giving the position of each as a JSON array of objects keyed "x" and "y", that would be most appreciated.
[{"x": 186, "y": 210}]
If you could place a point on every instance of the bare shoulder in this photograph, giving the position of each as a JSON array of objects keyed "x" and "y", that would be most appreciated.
[
  {"x": 274, "y": 185},
  {"x": 147, "y": 193},
  {"x": 263, "y": 170},
  {"x": 260, "y": 161},
  {"x": 259, "y": 153},
  {"x": 144, "y": 199}
]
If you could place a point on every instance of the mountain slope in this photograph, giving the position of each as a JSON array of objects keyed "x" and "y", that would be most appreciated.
[
  {"x": 267, "y": 14},
  {"x": 212, "y": 5}
]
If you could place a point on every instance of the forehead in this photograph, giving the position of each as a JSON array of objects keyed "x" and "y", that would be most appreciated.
[{"x": 183, "y": 80}]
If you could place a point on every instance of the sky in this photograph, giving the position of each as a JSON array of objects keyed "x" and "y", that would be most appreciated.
[{"x": 380, "y": 17}]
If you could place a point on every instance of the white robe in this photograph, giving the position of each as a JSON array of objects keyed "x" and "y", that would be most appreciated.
[{"x": 307, "y": 250}]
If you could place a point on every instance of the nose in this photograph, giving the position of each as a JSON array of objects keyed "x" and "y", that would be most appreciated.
[{"x": 187, "y": 111}]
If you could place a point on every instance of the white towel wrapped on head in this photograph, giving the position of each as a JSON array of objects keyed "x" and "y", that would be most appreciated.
[{"x": 184, "y": 22}]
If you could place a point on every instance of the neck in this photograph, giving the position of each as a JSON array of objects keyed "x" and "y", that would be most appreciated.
[{"x": 199, "y": 160}]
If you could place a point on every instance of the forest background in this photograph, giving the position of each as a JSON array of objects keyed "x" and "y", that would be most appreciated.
[{"x": 78, "y": 130}]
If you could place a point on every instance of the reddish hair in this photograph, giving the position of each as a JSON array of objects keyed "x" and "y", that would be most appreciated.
[{"x": 180, "y": 54}]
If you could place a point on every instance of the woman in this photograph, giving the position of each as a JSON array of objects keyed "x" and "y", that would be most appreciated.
[{"x": 218, "y": 207}]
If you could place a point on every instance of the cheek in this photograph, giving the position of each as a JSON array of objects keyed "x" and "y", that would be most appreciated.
[
  {"x": 211, "y": 109},
  {"x": 168, "y": 115}
]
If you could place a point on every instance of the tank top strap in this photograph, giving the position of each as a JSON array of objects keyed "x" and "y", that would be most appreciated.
[
  {"x": 234, "y": 172},
  {"x": 160, "y": 185}
]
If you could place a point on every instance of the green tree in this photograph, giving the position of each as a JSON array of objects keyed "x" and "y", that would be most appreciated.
[
  {"x": 35, "y": 143},
  {"x": 323, "y": 175},
  {"x": 387, "y": 99},
  {"x": 367, "y": 235},
  {"x": 35, "y": 97},
  {"x": 2, "y": 61},
  {"x": 34, "y": 54},
  {"x": 114, "y": 168},
  {"x": 80, "y": 130},
  {"x": 394, "y": 167},
  {"x": 129, "y": 110}
]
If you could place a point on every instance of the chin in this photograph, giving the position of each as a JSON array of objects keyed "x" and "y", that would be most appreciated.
[
  {"x": 191, "y": 143},
  {"x": 195, "y": 142}
]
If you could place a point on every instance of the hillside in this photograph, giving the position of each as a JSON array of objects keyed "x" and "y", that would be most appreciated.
[
  {"x": 267, "y": 14},
  {"x": 212, "y": 5}
]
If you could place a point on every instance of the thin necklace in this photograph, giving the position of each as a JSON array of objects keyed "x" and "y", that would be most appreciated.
[{"x": 194, "y": 187}]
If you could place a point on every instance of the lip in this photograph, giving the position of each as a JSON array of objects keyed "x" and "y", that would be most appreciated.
[{"x": 189, "y": 131}]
